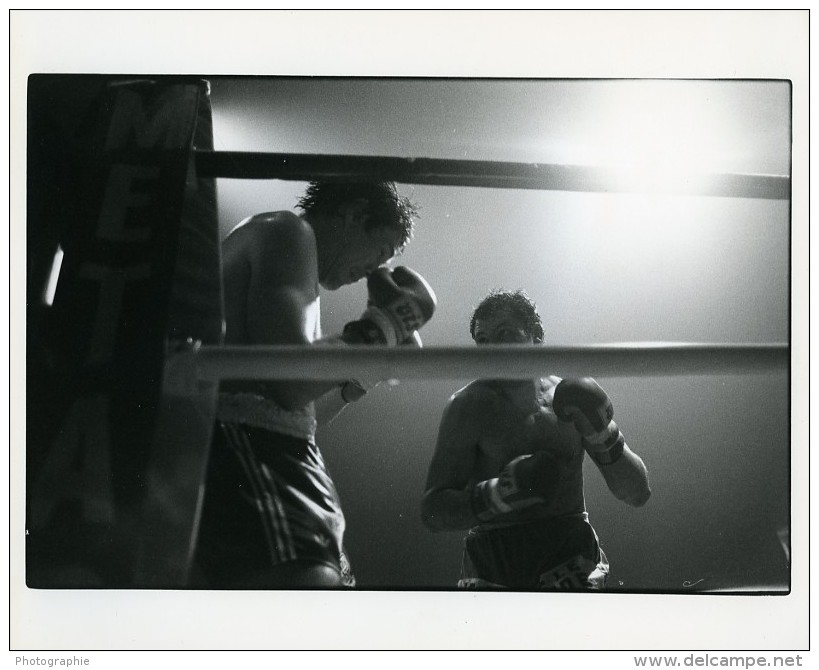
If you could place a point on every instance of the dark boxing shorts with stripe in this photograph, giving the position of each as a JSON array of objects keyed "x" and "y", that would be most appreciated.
[
  {"x": 269, "y": 498},
  {"x": 558, "y": 553}
]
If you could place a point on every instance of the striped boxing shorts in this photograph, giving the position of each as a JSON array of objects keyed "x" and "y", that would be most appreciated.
[{"x": 269, "y": 498}]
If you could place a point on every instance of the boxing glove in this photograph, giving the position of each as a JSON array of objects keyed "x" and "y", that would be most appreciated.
[
  {"x": 523, "y": 482},
  {"x": 585, "y": 404},
  {"x": 400, "y": 302}
]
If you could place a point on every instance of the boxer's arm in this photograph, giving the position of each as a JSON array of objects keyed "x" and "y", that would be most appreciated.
[
  {"x": 446, "y": 504},
  {"x": 584, "y": 403},
  {"x": 282, "y": 290},
  {"x": 332, "y": 403},
  {"x": 627, "y": 477},
  {"x": 282, "y": 297}
]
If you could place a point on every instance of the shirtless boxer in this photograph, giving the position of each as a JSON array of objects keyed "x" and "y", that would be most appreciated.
[
  {"x": 271, "y": 515},
  {"x": 508, "y": 467}
]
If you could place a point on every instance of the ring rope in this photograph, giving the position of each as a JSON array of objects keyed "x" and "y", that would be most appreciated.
[
  {"x": 498, "y": 361},
  {"x": 488, "y": 174}
]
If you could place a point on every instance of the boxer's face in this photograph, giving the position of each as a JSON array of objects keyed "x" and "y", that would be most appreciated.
[
  {"x": 373, "y": 249},
  {"x": 359, "y": 253},
  {"x": 501, "y": 328}
]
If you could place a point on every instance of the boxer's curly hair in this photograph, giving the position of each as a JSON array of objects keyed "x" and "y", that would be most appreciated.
[
  {"x": 516, "y": 303},
  {"x": 386, "y": 207}
]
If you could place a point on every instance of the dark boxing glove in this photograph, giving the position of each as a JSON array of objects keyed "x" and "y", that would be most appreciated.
[
  {"x": 523, "y": 482},
  {"x": 400, "y": 302},
  {"x": 585, "y": 404}
]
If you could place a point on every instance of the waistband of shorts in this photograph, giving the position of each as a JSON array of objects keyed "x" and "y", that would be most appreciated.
[
  {"x": 497, "y": 525},
  {"x": 257, "y": 411}
]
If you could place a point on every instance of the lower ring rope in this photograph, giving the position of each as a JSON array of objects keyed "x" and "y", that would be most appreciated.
[{"x": 498, "y": 361}]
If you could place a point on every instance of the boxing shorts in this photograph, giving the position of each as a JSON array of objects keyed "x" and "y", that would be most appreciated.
[
  {"x": 269, "y": 498},
  {"x": 560, "y": 553}
]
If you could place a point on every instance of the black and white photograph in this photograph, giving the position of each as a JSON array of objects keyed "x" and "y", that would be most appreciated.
[{"x": 430, "y": 349}]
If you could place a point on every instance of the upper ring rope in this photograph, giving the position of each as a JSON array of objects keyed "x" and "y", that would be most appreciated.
[{"x": 488, "y": 174}]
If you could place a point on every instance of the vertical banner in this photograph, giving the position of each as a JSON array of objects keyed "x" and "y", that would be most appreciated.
[
  {"x": 184, "y": 424},
  {"x": 108, "y": 180}
]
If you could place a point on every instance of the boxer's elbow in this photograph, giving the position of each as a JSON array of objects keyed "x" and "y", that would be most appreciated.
[
  {"x": 635, "y": 497},
  {"x": 434, "y": 514},
  {"x": 440, "y": 512},
  {"x": 428, "y": 516}
]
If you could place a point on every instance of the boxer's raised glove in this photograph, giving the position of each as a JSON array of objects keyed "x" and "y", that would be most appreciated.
[
  {"x": 585, "y": 404},
  {"x": 400, "y": 302},
  {"x": 523, "y": 482}
]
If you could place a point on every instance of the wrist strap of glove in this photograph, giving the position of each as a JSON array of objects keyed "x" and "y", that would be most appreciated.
[
  {"x": 363, "y": 331},
  {"x": 613, "y": 449},
  {"x": 486, "y": 502},
  {"x": 386, "y": 322}
]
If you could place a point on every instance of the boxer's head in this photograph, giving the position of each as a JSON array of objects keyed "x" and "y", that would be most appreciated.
[
  {"x": 506, "y": 317},
  {"x": 359, "y": 226}
]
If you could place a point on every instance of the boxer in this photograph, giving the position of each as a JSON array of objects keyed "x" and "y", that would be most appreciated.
[
  {"x": 508, "y": 462},
  {"x": 271, "y": 516}
]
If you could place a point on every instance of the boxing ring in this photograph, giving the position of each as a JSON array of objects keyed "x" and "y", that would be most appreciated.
[{"x": 129, "y": 356}]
